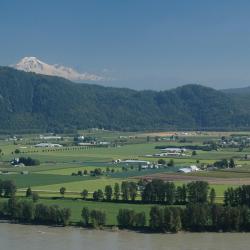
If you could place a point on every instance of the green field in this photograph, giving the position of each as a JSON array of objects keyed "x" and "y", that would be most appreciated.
[
  {"x": 69, "y": 171},
  {"x": 111, "y": 209},
  {"x": 78, "y": 186},
  {"x": 58, "y": 164}
]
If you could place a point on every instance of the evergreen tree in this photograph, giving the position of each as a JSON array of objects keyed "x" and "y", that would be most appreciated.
[
  {"x": 117, "y": 191},
  {"x": 212, "y": 196},
  {"x": 85, "y": 216},
  {"x": 108, "y": 192},
  {"x": 28, "y": 192}
]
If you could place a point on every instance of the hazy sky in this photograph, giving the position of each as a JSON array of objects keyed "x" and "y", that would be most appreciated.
[{"x": 142, "y": 44}]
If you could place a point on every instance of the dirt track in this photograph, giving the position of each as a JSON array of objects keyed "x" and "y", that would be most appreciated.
[{"x": 188, "y": 178}]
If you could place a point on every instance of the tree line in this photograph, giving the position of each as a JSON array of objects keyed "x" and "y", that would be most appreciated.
[
  {"x": 26, "y": 211},
  {"x": 155, "y": 191},
  {"x": 188, "y": 207},
  {"x": 200, "y": 218}
]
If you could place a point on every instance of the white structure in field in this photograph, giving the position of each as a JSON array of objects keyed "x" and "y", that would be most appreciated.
[
  {"x": 194, "y": 168},
  {"x": 190, "y": 169},
  {"x": 48, "y": 145},
  {"x": 50, "y": 137},
  {"x": 136, "y": 161},
  {"x": 174, "y": 150}
]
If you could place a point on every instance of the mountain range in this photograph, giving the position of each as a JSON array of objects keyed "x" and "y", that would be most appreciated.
[
  {"x": 35, "y": 102},
  {"x": 32, "y": 64}
]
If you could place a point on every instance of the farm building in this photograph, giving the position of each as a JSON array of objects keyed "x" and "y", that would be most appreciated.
[
  {"x": 48, "y": 145},
  {"x": 50, "y": 137},
  {"x": 136, "y": 161},
  {"x": 185, "y": 170},
  {"x": 174, "y": 150},
  {"x": 86, "y": 143},
  {"x": 174, "y": 154},
  {"x": 190, "y": 169}
]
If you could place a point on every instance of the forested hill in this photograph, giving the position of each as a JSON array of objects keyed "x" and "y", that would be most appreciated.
[{"x": 35, "y": 102}]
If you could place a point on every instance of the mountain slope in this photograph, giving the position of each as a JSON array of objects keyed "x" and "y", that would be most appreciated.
[
  {"x": 32, "y": 64},
  {"x": 30, "y": 101},
  {"x": 244, "y": 90}
]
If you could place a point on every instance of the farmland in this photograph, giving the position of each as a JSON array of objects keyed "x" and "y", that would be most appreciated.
[{"x": 73, "y": 166}]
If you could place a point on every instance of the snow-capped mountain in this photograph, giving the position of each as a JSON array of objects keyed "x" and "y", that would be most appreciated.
[{"x": 32, "y": 64}]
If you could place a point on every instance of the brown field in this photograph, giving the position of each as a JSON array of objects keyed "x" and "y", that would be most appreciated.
[
  {"x": 188, "y": 178},
  {"x": 188, "y": 133},
  {"x": 158, "y": 134}
]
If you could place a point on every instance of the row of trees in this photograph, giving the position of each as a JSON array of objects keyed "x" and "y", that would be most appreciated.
[
  {"x": 195, "y": 217},
  {"x": 126, "y": 191},
  {"x": 26, "y": 211},
  {"x": 158, "y": 191},
  {"x": 239, "y": 196},
  {"x": 200, "y": 217}
]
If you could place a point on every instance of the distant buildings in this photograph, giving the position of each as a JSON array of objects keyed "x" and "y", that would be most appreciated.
[
  {"x": 86, "y": 144},
  {"x": 171, "y": 154},
  {"x": 48, "y": 145},
  {"x": 174, "y": 150},
  {"x": 50, "y": 137},
  {"x": 190, "y": 169},
  {"x": 136, "y": 162}
]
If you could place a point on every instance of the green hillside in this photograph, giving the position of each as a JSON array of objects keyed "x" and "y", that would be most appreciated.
[{"x": 42, "y": 103}]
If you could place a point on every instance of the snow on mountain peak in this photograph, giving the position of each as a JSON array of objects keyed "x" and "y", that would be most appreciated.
[{"x": 32, "y": 64}]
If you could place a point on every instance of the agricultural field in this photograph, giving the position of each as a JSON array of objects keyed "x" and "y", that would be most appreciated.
[{"x": 60, "y": 167}]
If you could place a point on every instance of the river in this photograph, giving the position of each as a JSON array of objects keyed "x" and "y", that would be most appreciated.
[{"x": 22, "y": 237}]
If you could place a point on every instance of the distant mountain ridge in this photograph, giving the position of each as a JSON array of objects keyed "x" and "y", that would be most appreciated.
[
  {"x": 32, "y": 64},
  {"x": 244, "y": 90},
  {"x": 29, "y": 101}
]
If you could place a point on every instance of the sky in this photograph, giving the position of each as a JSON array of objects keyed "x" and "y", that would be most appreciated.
[{"x": 139, "y": 44}]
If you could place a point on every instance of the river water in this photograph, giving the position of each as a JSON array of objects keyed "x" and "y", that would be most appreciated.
[{"x": 22, "y": 237}]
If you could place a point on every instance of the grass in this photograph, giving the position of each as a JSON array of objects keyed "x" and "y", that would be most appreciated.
[
  {"x": 111, "y": 209},
  {"x": 24, "y": 181},
  {"x": 78, "y": 186},
  {"x": 69, "y": 171}
]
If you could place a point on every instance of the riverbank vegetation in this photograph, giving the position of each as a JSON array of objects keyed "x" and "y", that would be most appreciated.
[{"x": 198, "y": 213}]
